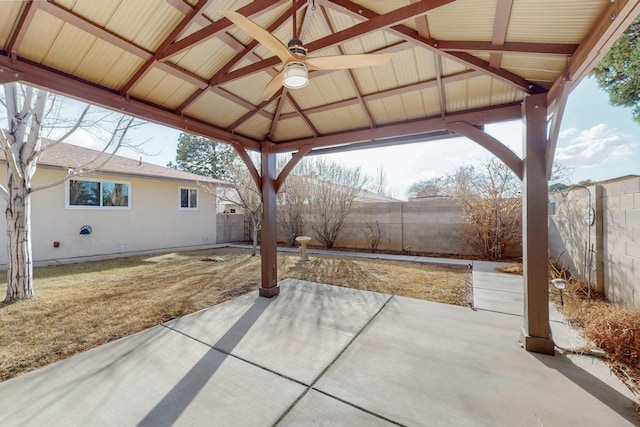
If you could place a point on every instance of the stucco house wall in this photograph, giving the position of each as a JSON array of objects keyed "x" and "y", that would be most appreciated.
[{"x": 154, "y": 220}]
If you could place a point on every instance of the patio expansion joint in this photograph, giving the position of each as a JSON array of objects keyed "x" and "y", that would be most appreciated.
[
  {"x": 335, "y": 359},
  {"x": 227, "y": 354}
]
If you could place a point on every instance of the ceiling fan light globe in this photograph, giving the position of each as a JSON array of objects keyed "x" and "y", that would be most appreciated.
[{"x": 296, "y": 75}]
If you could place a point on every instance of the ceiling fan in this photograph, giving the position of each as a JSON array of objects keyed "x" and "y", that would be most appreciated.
[{"x": 296, "y": 63}]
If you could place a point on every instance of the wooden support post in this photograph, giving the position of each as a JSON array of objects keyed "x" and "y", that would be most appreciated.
[
  {"x": 268, "y": 233},
  {"x": 536, "y": 332}
]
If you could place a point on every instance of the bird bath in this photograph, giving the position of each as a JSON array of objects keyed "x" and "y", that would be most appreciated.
[{"x": 303, "y": 240}]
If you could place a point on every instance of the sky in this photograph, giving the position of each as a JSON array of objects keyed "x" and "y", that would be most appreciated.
[{"x": 597, "y": 141}]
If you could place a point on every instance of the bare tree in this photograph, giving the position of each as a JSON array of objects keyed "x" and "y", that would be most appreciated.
[
  {"x": 492, "y": 205},
  {"x": 379, "y": 183},
  {"x": 32, "y": 113},
  {"x": 427, "y": 188},
  {"x": 243, "y": 192},
  {"x": 293, "y": 200},
  {"x": 373, "y": 233},
  {"x": 332, "y": 191}
]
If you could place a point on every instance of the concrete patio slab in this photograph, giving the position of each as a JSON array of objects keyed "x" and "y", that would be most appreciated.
[
  {"x": 296, "y": 335},
  {"x": 422, "y": 363},
  {"x": 154, "y": 378},
  {"x": 317, "y": 409},
  {"x": 321, "y": 355},
  {"x": 504, "y": 293}
]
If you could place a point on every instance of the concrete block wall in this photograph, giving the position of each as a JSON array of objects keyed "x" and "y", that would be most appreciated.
[
  {"x": 429, "y": 225},
  {"x": 615, "y": 234},
  {"x": 230, "y": 228}
]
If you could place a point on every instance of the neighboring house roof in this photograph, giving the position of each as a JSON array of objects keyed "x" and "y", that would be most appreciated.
[
  {"x": 365, "y": 196},
  {"x": 67, "y": 156}
]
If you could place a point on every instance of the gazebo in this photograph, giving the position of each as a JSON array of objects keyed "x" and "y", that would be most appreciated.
[{"x": 454, "y": 67}]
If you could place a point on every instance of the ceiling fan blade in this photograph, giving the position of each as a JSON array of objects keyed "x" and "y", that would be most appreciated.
[
  {"x": 260, "y": 34},
  {"x": 272, "y": 87},
  {"x": 343, "y": 62}
]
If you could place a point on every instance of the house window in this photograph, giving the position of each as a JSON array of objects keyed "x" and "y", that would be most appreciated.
[
  {"x": 84, "y": 194},
  {"x": 188, "y": 198}
]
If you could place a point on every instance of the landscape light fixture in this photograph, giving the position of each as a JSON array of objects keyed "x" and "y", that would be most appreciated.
[
  {"x": 560, "y": 285},
  {"x": 296, "y": 75}
]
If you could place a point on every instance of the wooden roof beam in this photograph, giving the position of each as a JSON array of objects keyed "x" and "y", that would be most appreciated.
[
  {"x": 242, "y": 54},
  {"x": 377, "y": 22},
  {"x": 75, "y": 88},
  {"x": 144, "y": 69},
  {"x": 89, "y": 27},
  {"x": 415, "y": 127},
  {"x": 432, "y": 45},
  {"x": 387, "y": 93},
  {"x": 350, "y": 73},
  {"x": 500, "y": 27},
  {"x": 253, "y": 8},
  {"x": 514, "y": 47},
  {"x": 28, "y": 12}
]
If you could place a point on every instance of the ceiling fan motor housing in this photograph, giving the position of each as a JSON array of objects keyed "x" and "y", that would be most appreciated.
[{"x": 295, "y": 46}]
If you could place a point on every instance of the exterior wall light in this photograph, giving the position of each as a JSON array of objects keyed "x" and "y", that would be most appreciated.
[{"x": 296, "y": 75}]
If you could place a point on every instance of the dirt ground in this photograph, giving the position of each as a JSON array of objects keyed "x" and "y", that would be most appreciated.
[{"x": 81, "y": 306}]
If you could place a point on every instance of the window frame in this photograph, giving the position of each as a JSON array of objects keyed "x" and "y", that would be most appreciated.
[
  {"x": 189, "y": 208},
  {"x": 67, "y": 195}
]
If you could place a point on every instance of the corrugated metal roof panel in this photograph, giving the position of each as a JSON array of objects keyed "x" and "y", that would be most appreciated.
[
  {"x": 455, "y": 95},
  {"x": 40, "y": 36},
  {"x": 340, "y": 119},
  {"x": 464, "y": 20},
  {"x": 294, "y": 128},
  {"x": 8, "y": 19},
  {"x": 145, "y": 23},
  {"x": 450, "y": 67},
  {"x": 325, "y": 89},
  {"x": 539, "y": 68},
  {"x": 255, "y": 127},
  {"x": 569, "y": 22},
  {"x": 206, "y": 58},
  {"x": 98, "y": 12},
  {"x": 108, "y": 65},
  {"x": 396, "y": 108},
  {"x": 69, "y": 49},
  {"x": 212, "y": 11},
  {"x": 201, "y": 109},
  {"x": 162, "y": 88},
  {"x": 249, "y": 88}
]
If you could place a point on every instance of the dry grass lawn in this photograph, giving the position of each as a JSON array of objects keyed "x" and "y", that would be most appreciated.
[{"x": 81, "y": 306}]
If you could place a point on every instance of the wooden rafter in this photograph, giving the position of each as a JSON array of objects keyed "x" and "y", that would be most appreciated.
[
  {"x": 73, "y": 87},
  {"x": 351, "y": 76},
  {"x": 242, "y": 54},
  {"x": 500, "y": 27},
  {"x": 516, "y": 47},
  {"x": 146, "y": 67},
  {"x": 302, "y": 115},
  {"x": 377, "y": 22},
  {"x": 415, "y": 127},
  {"x": 433, "y": 46},
  {"x": 388, "y": 93},
  {"x": 28, "y": 12},
  {"x": 253, "y": 8}
]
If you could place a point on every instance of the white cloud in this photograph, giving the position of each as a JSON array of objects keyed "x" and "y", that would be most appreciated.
[{"x": 593, "y": 147}]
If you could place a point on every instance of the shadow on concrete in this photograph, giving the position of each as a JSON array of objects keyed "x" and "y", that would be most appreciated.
[
  {"x": 591, "y": 384},
  {"x": 174, "y": 403}
]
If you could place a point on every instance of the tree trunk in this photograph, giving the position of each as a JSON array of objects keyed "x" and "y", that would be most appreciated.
[
  {"x": 255, "y": 237},
  {"x": 20, "y": 263}
]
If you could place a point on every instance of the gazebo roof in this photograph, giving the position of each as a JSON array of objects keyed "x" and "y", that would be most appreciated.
[{"x": 180, "y": 63}]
